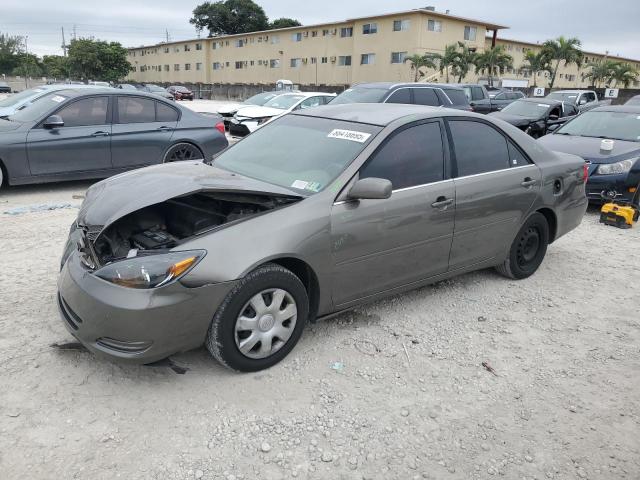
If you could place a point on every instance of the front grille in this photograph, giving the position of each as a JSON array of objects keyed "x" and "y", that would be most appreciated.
[
  {"x": 123, "y": 346},
  {"x": 92, "y": 232},
  {"x": 69, "y": 315}
]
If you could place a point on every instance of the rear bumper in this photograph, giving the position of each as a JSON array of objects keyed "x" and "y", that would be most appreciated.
[{"x": 135, "y": 326}]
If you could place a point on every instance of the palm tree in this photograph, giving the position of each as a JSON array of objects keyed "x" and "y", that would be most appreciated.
[
  {"x": 421, "y": 61},
  {"x": 493, "y": 61},
  {"x": 463, "y": 61},
  {"x": 448, "y": 59},
  {"x": 600, "y": 71},
  {"x": 567, "y": 50},
  {"x": 623, "y": 74},
  {"x": 535, "y": 63}
]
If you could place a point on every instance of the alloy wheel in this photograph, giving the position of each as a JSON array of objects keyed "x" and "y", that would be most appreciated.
[{"x": 182, "y": 152}]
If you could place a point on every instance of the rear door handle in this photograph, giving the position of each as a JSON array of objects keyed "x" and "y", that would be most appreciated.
[
  {"x": 100, "y": 134},
  {"x": 442, "y": 202},
  {"x": 164, "y": 128},
  {"x": 528, "y": 182}
]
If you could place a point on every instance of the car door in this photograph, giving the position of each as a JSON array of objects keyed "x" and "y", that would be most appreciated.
[
  {"x": 83, "y": 144},
  {"x": 495, "y": 184},
  {"x": 381, "y": 244},
  {"x": 142, "y": 130}
]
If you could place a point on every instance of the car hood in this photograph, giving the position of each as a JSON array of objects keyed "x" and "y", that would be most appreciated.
[
  {"x": 589, "y": 147},
  {"x": 260, "y": 112},
  {"x": 515, "y": 120},
  {"x": 7, "y": 126},
  {"x": 230, "y": 108},
  {"x": 115, "y": 197}
]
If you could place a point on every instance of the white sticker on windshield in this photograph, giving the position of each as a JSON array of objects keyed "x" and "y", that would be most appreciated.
[
  {"x": 57, "y": 98},
  {"x": 351, "y": 135},
  {"x": 543, "y": 105},
  {"x": 300, "y": 184}
]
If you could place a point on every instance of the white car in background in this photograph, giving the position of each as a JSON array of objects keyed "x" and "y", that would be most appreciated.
[
  {"x": 228, "y": 110},
  {"x": 251, "y": 118}
]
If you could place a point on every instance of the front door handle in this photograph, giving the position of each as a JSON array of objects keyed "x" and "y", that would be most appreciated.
[
  {"x": 164, "y": 128},
  {"x": 100, "y": 134},
  {"x": 442, "y": 202},
  {"x": 528, "y": 182}
]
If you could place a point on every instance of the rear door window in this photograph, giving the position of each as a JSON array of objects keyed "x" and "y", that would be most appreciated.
[
  {"x": 516, "y": 158},
  {"x": 457, "y": 97},
  {"x": 88, "y": 111},
  {"x": 413, "y": 156},
  {"x": 136, "y": 110},
  {"x": 478, "y": 147},
  {"x": 425, "y": 96},
  {"x": 402, "y": 95},
  {"x": 477, "y": 93},
  {"x": 165, "y": 113}
]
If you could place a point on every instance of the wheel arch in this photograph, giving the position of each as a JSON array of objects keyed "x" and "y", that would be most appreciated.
[
  {"x": 176, "y": 142},
  {"x": 552, "y": 221},
  {"x": 4, "y": 174}
]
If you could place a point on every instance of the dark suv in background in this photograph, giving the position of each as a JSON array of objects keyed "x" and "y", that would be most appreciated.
[{"x": 431, "y": 94}]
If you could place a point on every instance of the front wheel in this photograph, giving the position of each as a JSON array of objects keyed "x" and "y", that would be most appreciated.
[
  {"x": 528, "y": 249},
  {"x": 260, "y": 320},
  {"x": 181, "y": 152}
]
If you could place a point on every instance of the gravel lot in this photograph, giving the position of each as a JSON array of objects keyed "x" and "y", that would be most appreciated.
[{"x": 395, "y": 390}]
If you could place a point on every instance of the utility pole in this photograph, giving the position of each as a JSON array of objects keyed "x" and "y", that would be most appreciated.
[
  {"x": 26, "y": 51},
  {"x": 64, "y": 44},
  {"x": 166, "y": 31},
  {"x": 74, "y": 31}
]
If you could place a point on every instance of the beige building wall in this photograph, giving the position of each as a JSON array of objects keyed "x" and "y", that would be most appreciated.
[{"x": 332, "y": 53}]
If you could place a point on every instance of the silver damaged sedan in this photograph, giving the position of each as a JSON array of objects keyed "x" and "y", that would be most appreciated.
[{"x": 320, "y": 211}]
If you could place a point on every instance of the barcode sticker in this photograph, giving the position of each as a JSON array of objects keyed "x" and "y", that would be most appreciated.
[{"x": 351, "y": 135}]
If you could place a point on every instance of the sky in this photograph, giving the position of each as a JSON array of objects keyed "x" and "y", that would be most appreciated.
[{"x": 601, "y": 26}]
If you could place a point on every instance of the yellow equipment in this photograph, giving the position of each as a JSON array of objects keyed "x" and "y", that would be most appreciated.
[{"x": 621, "y": 216}]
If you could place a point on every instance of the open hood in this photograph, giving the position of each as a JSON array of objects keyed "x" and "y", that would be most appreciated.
[
  {"x": 115, "y": 197},
  {"x": 230, "y": 108},
  {"x": 514, "y": 120},
  {"x": 589, "y": 147}
]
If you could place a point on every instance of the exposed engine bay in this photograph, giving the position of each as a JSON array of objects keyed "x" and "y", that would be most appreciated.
[{"x": 165, "y": 225}]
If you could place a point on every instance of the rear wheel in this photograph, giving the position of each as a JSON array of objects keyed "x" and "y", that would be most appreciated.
[
  {"x": 181, "y": 152},
  {"x": 528, "y": 249},
  {"x": 260, "y": 320}
]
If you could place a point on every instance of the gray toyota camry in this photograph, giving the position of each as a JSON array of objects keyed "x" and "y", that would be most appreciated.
[{"x": 320, "y": 211}]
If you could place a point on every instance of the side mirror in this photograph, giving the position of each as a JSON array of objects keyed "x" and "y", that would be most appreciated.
[
  {"x": 370, "y": 189},
  {"x": 54, "y": 121}
]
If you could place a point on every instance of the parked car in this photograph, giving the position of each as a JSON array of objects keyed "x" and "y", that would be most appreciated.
[
  {"x": 635, "y": 100},
  {"x": 4, "y": 87},
  {"x": 79, "y": 133},
  {"x": 537, "y": 116},
  {"x": 98, "y": 83},
  {"x": 320, "y": 211},
  {"x": 608, "y": 138},
  {"x": 483, "y": 101},
  {"x": 22, "y": 100},
  {"x": 249, "y": 119},
  {"x": 433, "y": 94},
  {"x": 180, "y": 93},
  {"x": 151, "y": 88},
  {"x": 127, "y": 86},
  {"x": 227, "y": 111},
  {"x": 582, "y": 99}
]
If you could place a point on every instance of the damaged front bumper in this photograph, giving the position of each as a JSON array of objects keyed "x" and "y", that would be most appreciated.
[{"x": 133, "y": 325}]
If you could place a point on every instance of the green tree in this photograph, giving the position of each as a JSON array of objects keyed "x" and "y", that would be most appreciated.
[
  {"x": 448, "y": 59},
  {"x": 567, "y": 50},
  {"x": 11, "y": 46},
  {"x": 493, "y": 61},
  {"x": 462, "y": 61},
  {"x": 229, "y": 17},
  {"x": 28, "y": 66},
  {"x": 418, "y": 62},
  {"x": 535, "y": 63},
  {"x": 599, "y": 72},
  {"x": 55, "y": 66},
  {"x": 284, "y": 23},
  {"x": 91, "y": 59},
  {"x": 623, "y": 74}
]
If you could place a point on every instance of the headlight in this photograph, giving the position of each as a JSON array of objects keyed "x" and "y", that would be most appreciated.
[
  {"x": 614, "y": 168},
  {"x": 150, "y": 271}
]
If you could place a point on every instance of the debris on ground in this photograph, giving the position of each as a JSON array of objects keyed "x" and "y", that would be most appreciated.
[{"x": 489, "y": 368}]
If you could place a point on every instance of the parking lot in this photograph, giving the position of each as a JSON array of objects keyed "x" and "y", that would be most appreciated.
[{"x": 396, "y": 389}]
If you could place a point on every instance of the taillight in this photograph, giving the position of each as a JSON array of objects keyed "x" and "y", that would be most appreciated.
[
  {"x": 220, "y": 127},
  {"x": 585, "y": 173}
]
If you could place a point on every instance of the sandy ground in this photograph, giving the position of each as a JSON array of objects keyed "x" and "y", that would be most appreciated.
[{"x": 408, "y": 398}]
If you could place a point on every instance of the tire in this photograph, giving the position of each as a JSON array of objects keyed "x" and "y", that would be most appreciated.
[
  {"x": 528, "y": 249},
  {"x": 239, "y": 337},
  {"x": 182, "y": 151},
  {"x": 1, "y": 177}
]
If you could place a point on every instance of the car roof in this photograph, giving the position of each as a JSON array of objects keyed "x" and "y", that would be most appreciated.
[
  {"x": 381, "y": 114},
  {"x": 617, "y": 108},
  {"x": 391, "y": 85},
  {"x": 309, "y": 94},
  {"x": 545, "y": 100},
  {"x": 73, "y": 92},
  {"x": 569, "y": 91}
]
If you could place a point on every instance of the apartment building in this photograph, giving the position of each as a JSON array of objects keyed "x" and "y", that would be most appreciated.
[{"x": 365, "y": 49}]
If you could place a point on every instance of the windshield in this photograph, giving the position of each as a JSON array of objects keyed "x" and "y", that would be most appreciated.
[
  {"x": 564, "y": 97},
  {"x": 261, "y": 98},
  {"x": 613, "y": 125},
  {"x": 279, "y": 153},
  {"x": 155, "y": 88},
  {"x": 19, "y": 97},
  {"x": 284, "y": 102},
  {"x": 38, "y": 108},
  {"x": 633, "y": 100},
  {"x": 526, "y": 109},
  {"x": 361, "y": 95}
]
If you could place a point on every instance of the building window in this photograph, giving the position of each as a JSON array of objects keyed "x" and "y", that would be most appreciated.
[
  {"x": 323, "y": 60},
  {"x": 135, "y": 69},
  {"x": 166, "y": 49},
  {"x": 177, "y": 49},
  {"x": 344, "y": 60},
  {"x": 314, "y": 33},
  {"x": 198, "y": 46},
  {"x": 274, "y": 63},
  {"x": 400, "y": 25},
  {"x": 296, "y": 62},
  {"x": 198, "y": 66},
  {"x": 369, "y": 28},
  {"x": 368, "y": 59},
  {"x": 240, "y": 43},
  {"x": 434, "y": 25},
  {"x": 346, "y": 32},
  {"x": 398, "y": 57},
  {"x": 275, "y": 39},
  {"x": 239, "y": 65},
  {"x": 217, "y": 66},
  {"x": 296, "y": 37},
  {"x": 314, "y": 60},
  {"x": 470, "y": 33},
  {"x": 166, "y": 68},
  {"x": 187, "y": 66},
  {"x": 187, "y": 48},
  {"x": 176, "y": 67},
  {"x": 214, "y": 45}
]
